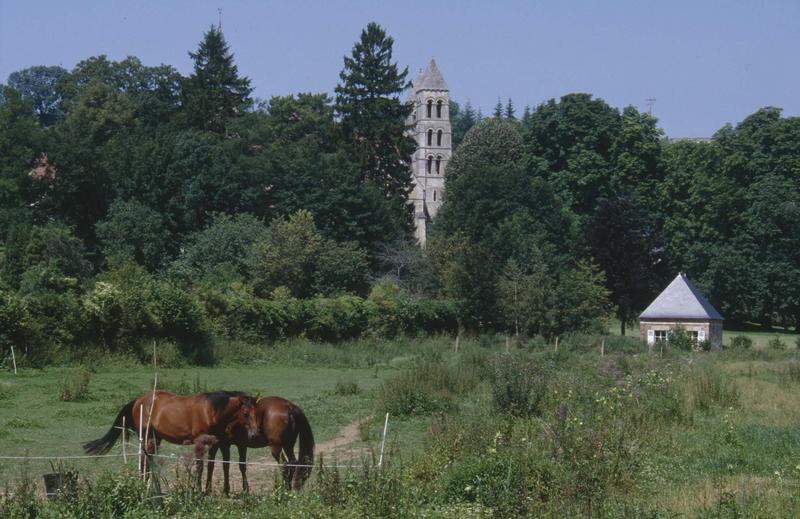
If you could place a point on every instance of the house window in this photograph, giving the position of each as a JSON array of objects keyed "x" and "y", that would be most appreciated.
[
  {"x": 430, "y": 108},
  {"x": 430, "y": 137},
  {"x": 439, "y": 109},
  {"x": 693, "y": 335},
  {"x": 660, "y": 335},
  {"x": 439, "y": 138}
]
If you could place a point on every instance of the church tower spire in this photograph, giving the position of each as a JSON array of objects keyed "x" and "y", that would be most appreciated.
[{"x": 430, "y": 121}]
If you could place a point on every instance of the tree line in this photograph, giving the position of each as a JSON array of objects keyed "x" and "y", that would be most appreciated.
[{"x": 117, "y": 171}]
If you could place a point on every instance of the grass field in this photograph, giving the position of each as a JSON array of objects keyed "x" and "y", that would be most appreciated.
[
  {"x": 481, "y": 432},
  {"x": 36, "y": 423}
]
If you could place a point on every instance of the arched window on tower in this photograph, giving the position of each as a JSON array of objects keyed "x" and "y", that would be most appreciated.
[
  {"x": 439, "y": 165},
  {"x": 439, "y": 109},
  {"x": 430, "y": 108},
  {"x": 439, "y": 138},
  {"x": 434, "y": 195},
  {"x": 430, "y": 163},
  {"x": 430, "y": 137}
]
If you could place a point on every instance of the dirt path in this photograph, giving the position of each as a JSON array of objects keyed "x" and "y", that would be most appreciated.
[
  {"x": 338, "y": 449},
  {"x": 343, "y": 441}
]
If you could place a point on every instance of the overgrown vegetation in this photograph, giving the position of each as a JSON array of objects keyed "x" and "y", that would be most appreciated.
[
  {"x": 483, "y": 431},
  {"x": 74, "y": 385}
]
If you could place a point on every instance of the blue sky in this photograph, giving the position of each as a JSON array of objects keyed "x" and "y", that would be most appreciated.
[{"x": 705, "y": 62}]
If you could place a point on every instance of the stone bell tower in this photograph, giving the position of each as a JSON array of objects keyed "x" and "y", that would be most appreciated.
[{"x": 430, "y": 124}]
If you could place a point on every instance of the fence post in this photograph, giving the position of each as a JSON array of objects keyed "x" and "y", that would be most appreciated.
[
  {"x": 124, "y": 455},
  {"x": 602, "y": 347},
  {"x": 141, "y": 459},
  {"x": 14, "y": 360},
  {"x": 383, "y": 441}
]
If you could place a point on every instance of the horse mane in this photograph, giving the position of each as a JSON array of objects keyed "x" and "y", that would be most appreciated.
[{"x": 219, "y": 399}]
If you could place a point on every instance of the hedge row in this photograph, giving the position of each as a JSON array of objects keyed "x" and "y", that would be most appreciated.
[
  {"x": 123, "y": 316},
  {"x": 245, "y": 317}
]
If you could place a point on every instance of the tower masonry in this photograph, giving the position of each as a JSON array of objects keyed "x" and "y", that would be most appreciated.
[{"x": 430, "y": 125}]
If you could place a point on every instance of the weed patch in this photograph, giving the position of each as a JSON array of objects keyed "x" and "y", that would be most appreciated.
[
  {"x": 74, "y": 385},
  {"x": 518, "y": 384}
]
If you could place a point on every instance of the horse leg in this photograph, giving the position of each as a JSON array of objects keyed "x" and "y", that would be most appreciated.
[
  {"x": 226, "y": 465},
  {"x": 277, "y": 450},
  {"x": 293, "y": 470},
  {"x": 199, "y": 452},
  {"x": 212, "y": 454},
  {"x": 148, "y": 450},
  {"x": 243, "y": 467}
]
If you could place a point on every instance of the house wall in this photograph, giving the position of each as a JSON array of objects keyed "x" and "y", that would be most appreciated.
[{"x": 711, "y": 329}]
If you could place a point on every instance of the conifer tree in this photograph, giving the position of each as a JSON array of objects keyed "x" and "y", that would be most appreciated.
[
  {"x": 461, "y": 120},
  {"x": 510, "y": 110},
  {"x": 214, "y": 93},
  {"x": 526, "y": 116},
  {"x": 372, "y": 116},
  {"x": 498, "y": 109}
]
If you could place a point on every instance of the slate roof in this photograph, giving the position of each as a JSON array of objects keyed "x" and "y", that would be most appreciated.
[
  {"x": 431, "y": 79},
  {"x": 681, "y": 300}
]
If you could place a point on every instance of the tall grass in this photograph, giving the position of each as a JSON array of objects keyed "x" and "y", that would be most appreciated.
[
  {"x": 74, "y": 385},
  {"x": 710, "y": 388},
  {"x": 426, "y": 387}
]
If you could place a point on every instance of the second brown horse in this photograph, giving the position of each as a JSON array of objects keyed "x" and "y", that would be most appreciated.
[{"x": 280, "y": 424}]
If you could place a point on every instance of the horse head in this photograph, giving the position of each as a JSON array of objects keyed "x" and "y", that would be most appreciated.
[{"x": 245, "y": 417}]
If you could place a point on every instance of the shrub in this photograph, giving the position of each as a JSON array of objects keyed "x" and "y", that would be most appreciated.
[
  {"x": 510, "y": 481},
  {"x": 741, "y": 342},
  {"x": 13, "y": 321},
  {"x": 680, "y": 340},
  {"x": 346, "y": 387},
  {"x": 792, "y": 373},
  {"x": 336, "y": 319},
  {"x": 22, "y": 500},
  {"x": 74, "y": 385},
  {"x": 410, "y": 394},
  {"x": 110, "y": 495},
  {"x": 427, "y": 387},
  {"x": 709, "y": 389},
  {"x": 168, "y": 355},
  {"x": 518, "y": 385},
  {"x": 776, "y": 344}
]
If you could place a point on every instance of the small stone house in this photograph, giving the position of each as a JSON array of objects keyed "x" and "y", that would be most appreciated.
[{"x": 681, "y": 305}]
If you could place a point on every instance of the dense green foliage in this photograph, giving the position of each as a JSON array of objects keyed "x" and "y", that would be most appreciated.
[{"x": 136, "y": 203}]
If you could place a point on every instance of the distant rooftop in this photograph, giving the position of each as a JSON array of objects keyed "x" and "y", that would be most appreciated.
[
  {"x": 431, "y": 79},
  {"x": 681, "y": 300}
]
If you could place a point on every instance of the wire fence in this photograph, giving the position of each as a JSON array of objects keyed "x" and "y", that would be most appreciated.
[{"x": 187, "y": 457}]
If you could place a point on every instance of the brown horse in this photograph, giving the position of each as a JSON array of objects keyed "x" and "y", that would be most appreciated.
[
  {"x": 200, "y": 420},
  {"x": 280, "y": 423}
]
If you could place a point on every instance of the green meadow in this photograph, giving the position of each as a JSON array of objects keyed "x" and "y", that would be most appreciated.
[{"x": 494, "y": 429}]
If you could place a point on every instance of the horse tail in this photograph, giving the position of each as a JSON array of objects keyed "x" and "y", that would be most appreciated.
[
  {"x": 104, "y": 444},
  {"x": 306, "y": 453}
]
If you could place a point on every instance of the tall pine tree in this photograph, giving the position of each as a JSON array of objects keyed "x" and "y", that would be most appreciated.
[
  {"x": 214, "y": 93},
  {"x": 498, "y": 109},
  {"x": 374, "y": 120},
  {"x": 373, "y": 117},
  {"x": 510, "y": 112}
]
